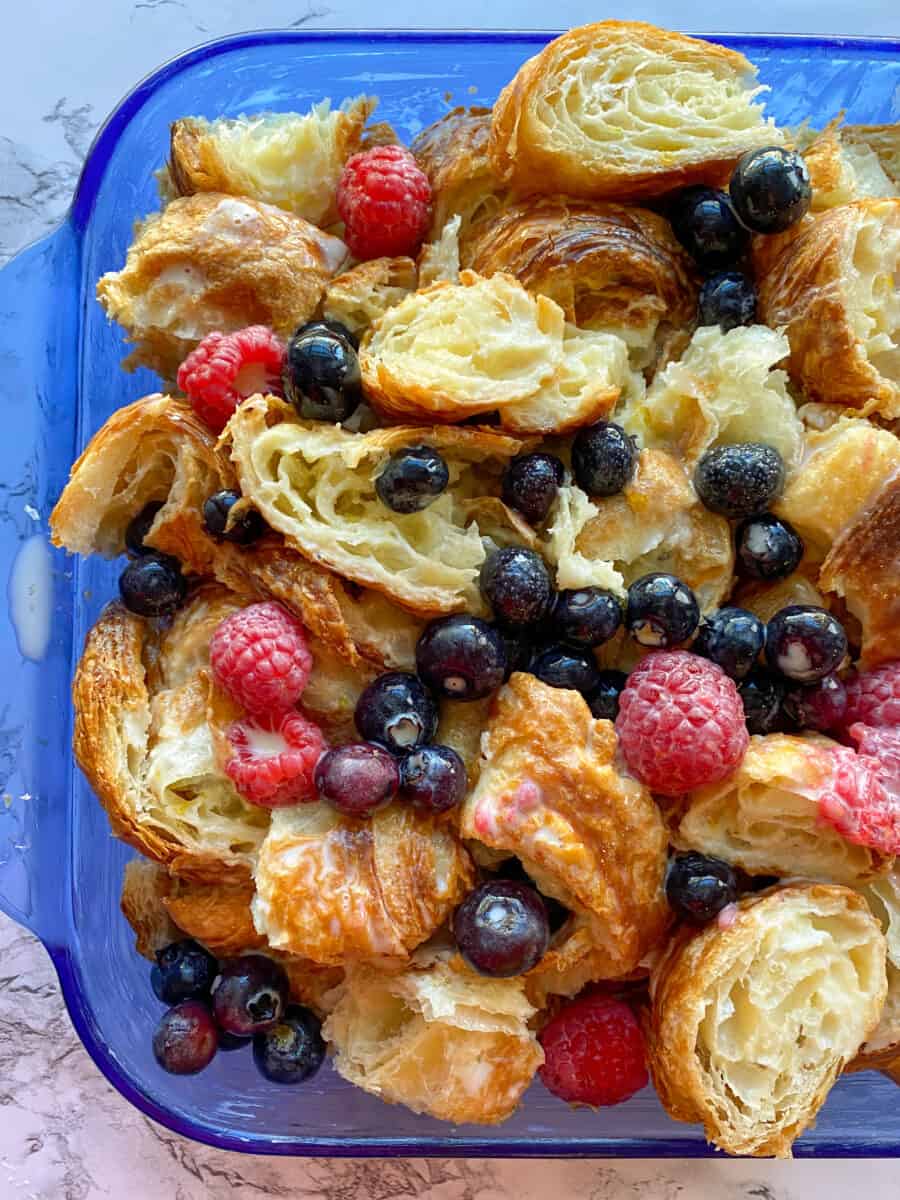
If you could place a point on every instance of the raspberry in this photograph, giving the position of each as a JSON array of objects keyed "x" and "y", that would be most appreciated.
[
  {"x": 384, "y": 199},
  {"x": 274, "y": 759},
  {"x": 226, "y": 368},
  {"x": 874, "y": 697},
  {"x": 881, "y": 742},
  {"x": 594, "y": 1052},
  {"x": 260, "y": 657},
  {"x": 861, "y": 801},
  {"x": 680, "y": 722}
]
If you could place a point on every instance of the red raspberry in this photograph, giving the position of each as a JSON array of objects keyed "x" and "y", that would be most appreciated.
[
  {"x": 881, "y": 742},
  {"x": 274, "y": 759},
  {"x": 226, "y": 368},
  {"x": 260, "y": 657},
  {"x": 384, "y": 199},
  {"x": 680, "y": 723},
  {"x": 594, "y": 1052},
  {"x": 874, "y": 697},
  {"x": 860, "y": 801}
]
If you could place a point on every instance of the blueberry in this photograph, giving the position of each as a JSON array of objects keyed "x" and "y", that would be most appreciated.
[
  {"x": 186, "y": 1039},
  {"x": 761, "y": 694},
  {"x": 704, "y": 222},
  {"x": 338, "y": 328},
  {"x": 249, "y": 994},
  {"x": 530, "y": 484},
  {"x": 733, "y": 638},
  {"x": 398, "y": 711},
  {"x": 412, "y": 479},
  {"x": 770, "y": 189},
  {"x": 139, "y": 527},
  {"x": 820, "y": 706},
  {"x": 185, "y": 972},
  {"x": 461, "y": 657},
  {"x": 519, "y": 646},
  {"x": 699, "y": 887},
  {"x": 740, "y": 480},
  {"x": 433, "y": 778},
  {"x": 501, "y": 929},
  {"x": 246, "y": 528},
  {"x": 517, "y": 585},
  {"x": 152, "y": 586},
  {"x": 768, "y": 547},
  {"x": 603, "y": 458},
  {"x": 586, "y": 616},
  {"x": 513, "y": 869},
  {"x": 293, "y": 1049},
  {"x": 230, "y": 1041},
  {"x": 603, "y": 700},
  {"x": 566, "y": 667},
  {"x": 321, "y": 375},
  {"x": 727, "y": 300},
  {"x": 805, "y": 642},
  {"x": 357, "y": 779},
  {"x": 661, "y": 611}
]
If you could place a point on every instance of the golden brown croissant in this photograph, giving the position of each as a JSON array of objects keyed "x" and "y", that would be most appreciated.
[
  {"x": 621, "y": 108},
  {"x": 212, "y": 262},
  {"x": 453, "y": 153},
  {"x": 882, "y": 1046},
  {"x": 842, "y": 167},
  {"x": 755, "y": 1015},
  {"x": 883, "y": 140},
  {"x": 145, "y": 885},
  {"x": 358, "y": 297}
]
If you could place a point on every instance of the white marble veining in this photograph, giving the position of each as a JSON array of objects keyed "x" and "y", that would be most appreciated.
[{"x": 64, "y": 1133}]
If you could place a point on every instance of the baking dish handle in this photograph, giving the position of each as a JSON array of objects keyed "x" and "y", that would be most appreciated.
[{"x": 38, "y": 386}]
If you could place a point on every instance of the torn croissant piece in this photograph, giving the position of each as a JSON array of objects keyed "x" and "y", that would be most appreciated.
[
  {"x": 339, "y": 890},
  {"x": 883, "y": 140},
  {"x": 765, "y": 599},
  {"x": 364, "y": 293},
  {"x": 621, "y": 108},
  {"x": 765, "y": 817},
  {"x": 453, "y": 1045},
  {"x": 754, "y": 1016},
  {"x": 291, "y": 160},
  {"x": 549, "y": 793},
  {"x": 315, "y": 484},
  {"x": 882, "y": 1047},
  {"x": 607, "y": 266},
  {"x": 216, "y": 915},
  {"x": 453, "y": 153},
  {"x": 145, "y": 886},
  {"x": 216, "y": 263},
  {"x": 832, "y": 286},
  {"x": 842, "y": 167}
]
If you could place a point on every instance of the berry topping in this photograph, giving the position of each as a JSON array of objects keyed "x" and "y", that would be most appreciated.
[
  {"x": 603, "y": 458},
  {"x": 384, "y": 200},
  {"x": 821, "y": 705},
  {"x": 517, "y": 585},
  {"x": 321, "y": 374},
  {"x": 183, "y": 971},
  {"x": 260, "y": 657},
  {"x": 530, "y": 484},
  {"x": 768, "y": 547},
  {"x": 273, "y": 759},
  {"x": 398, "y": 711},
  {"x": 680, "y": 723},
  {"x": 152, "y": 586},
  {"x": 226, "y": 368},
  {"x": 461, "y": 657},
  {"x": 242, "y": 528},
  {"x": 519, "y": 644},
  {"x": 732, "y": 638},
  {"x": 704, "y": 222},
  {"x": 186, "y": 1039},
  {"x": 358, "y": 779},
  {"x": 249, "y": 995},
  {"x": 338, "y": 328},
  {"x": 873, "y": 698},
  {"x": 412, "y": 479},
  {"x": 761, "y": 695},
  {"x": 862, "y": 800},
  {"x": 139, "y": 527},
  {"x": 603, "y": 700},
  {"x": 881, "y": 742},
  {"x": 739, "y": 480},
  {"x": 594, "y": 1052},
  {"x": 501, "y": 929},
  {"x": 662, "y": 611},
  {"x": 805, "y": 642},
  {"x": 698, "y": 887},
  {"x": 727, "y": 300},
  {"x": 566, "y": 667},
  {"x": 586, "y": 616},
  {"x": 293, "y": 1049},
  {"x": 770, "y": 189},
  {"x": 433, "y": 778}
]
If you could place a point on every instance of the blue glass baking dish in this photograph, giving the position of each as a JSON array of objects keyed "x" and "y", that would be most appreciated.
[{"x": 60, "y": 871}]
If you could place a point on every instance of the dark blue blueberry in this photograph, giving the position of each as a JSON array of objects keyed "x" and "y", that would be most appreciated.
[
  {"x": 501, "y": 929},
  {"x": 412, "y": 479},
  {"x": 585, "y": 616},
  {"x": 603, "y": 458},
  {"x": 704, "y": 222},
  {"x": 461, "y": 657},
  {"x": 183, "y": 971},
  {"x": 770, "y": 189},
  {"x": 761, "y": 694},
  {"x": 246, "y": 528},
  {"x": 321, "y": 375},
  {"x": 805, "y": 642},
  {"x": 820, "y": 706},
  {"x": 338, "y": 328},
  {"x": 566, "y": 667},
  {"x": 662, "y": 611},
  {"x": 433, "y": 778},
  {"x": 152, "y": 586},
  {"x": 699, "y": 887},
  {"x": 727, "y": 300},
  {"x": 139, "y": 527},
  {"x": 357, "y": 779},
  {"x": 530, "y": 484},
  {"x": 733, "y": 638},
  {"x": 398, "y": 711},
  {"x": 517, "y": 585},
  {"x": 519, "y": 644},
  {"x": 603, "y": 701},
  {"x": 229, "y": 1042},
  {"x": 768, "y": 547},
  {"x": 739, "y": 480},
  {"x": 186, "y": 1039},
  {"x": 249, "y": 995},
  {"x": 293, "y": 1049},
  {"x": 512, "y": 869}
]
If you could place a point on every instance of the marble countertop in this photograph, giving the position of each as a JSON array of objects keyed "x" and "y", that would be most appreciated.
[{"x": 64, "y": 1133}]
